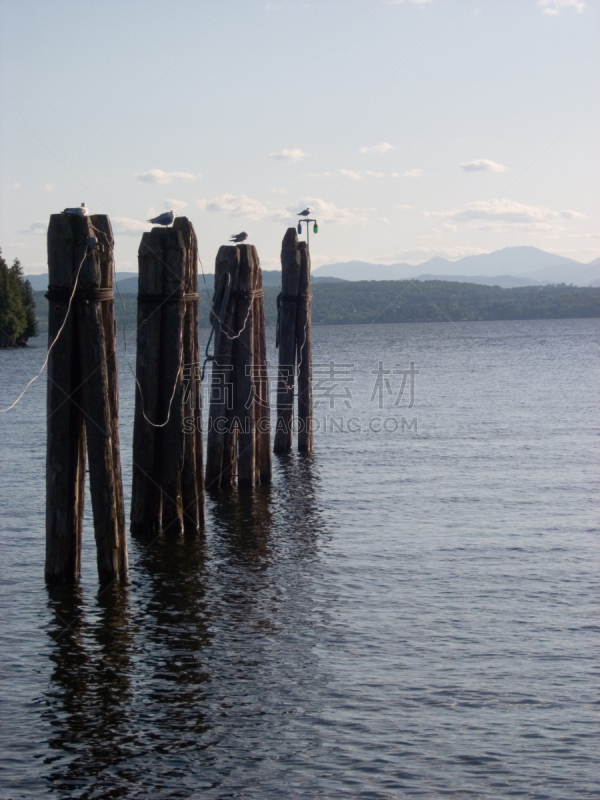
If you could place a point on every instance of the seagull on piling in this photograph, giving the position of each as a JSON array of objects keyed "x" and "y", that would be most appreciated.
[
  {"x": 164, "y": 219},
  {"x": 82, "y": 211},
  {"x": 304, "y": 213},
  {"x": 240, "y": 237}
]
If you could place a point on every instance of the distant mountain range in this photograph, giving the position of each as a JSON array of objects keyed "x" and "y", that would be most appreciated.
[
  {"x": 508, "y": 268},
  {"x": 127, "y": 282},
  {"x": 529, "y": 264}
]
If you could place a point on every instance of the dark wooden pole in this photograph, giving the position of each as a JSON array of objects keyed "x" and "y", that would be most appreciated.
[
  {"x": 192, "y": 478},
  {"x": 146, "y": 494},
  {"x": 304, "y": 353},
  {"x": 83, "y": 386},
  {"x": 243, "y": 367},
  {"x": 238, "y": 425},
  {"x": 65, "y": 454},
  {"x": 288, "y": 308},
  {"x": 167, "y": 491},
  {"x": 262, "y": 405},
  {"x": 170, "y": 382},
  {"x": 219, "y": 445}
]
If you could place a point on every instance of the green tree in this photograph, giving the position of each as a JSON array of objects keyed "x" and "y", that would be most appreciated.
[
  {"x": 31, "y": 327},
  {"x": 17, "y": 306}
]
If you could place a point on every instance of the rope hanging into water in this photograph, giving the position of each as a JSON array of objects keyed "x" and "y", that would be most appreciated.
[
  {"x": 70, "y": 295},
  {"x": 223, "y": 293}
]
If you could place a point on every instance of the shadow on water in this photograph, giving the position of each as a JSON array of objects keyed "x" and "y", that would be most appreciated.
[{"x": 90, "y": 690}]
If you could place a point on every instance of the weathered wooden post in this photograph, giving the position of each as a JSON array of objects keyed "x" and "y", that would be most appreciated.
[
  {"x": 304, "y": 353},
  {"x": 167, "y": 490},
  {"x": 239, "y": 418},
  {"x": 82, "y": 401},
  {"x": 294, "y": 339}
]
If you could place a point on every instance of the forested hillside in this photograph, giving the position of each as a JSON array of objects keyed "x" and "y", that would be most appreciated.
[{"x": 405, "y": 301}]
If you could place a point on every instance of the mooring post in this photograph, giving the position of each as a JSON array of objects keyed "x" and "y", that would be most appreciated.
[
  {"x": 294, "y": 339},
  {"x": 304, "y": 353},
  {"x": 167, "y": 445},
  {"x": 218, "y": 450},
  {"x": 192, "y": 478},
  {"x": 82, "y": 400},
  {"x": 239, "y": 410},
  {"x": 286, "y": 338}
]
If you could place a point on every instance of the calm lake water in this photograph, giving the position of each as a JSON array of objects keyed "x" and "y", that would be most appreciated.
[{"x": 407, "y": 613}]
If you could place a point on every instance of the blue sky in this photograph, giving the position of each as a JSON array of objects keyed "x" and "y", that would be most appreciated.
[{"x": 412, "y": 128}]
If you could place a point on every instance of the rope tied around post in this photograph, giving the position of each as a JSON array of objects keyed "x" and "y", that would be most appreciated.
[
  {"x": 60, "y": 294},
  {"x": 221, "y": 298},
  {"x": 294, "y": 298},
  {"x": 167, "y": 298}
]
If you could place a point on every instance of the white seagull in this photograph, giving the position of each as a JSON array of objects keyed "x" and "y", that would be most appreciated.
[
  {"x": 164, "y": 219},
  {"x": 304, "y": 213},
  {"x": 82, "y": 211},
  {"x": 241, "y": 237}
]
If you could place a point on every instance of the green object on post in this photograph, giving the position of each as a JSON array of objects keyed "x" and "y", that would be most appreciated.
[{"x": 315, "y": 228}]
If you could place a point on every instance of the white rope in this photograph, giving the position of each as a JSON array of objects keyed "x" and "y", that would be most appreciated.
[
  {"x": 60, "y": 330},
  {"x": 162, "y": 424}
]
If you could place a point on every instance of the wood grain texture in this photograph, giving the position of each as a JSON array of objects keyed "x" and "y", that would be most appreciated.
[
  {"x": 304, "y": 354},
  {"x": 290, "y": 281}
]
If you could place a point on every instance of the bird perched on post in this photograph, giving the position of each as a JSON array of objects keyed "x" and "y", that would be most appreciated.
[
  {"x": 304, "y": 213},
  {"x": 82, "y": 211},
  {"x": 164, "y": 219},
  {"x": 240, "y": 237}
]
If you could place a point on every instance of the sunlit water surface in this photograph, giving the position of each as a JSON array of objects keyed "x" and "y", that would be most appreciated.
[{"x": 404, "y": 614}]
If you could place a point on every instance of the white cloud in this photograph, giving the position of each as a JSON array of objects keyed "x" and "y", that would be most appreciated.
[
  {"x": 176, "y": 205},
  {"x": 124, "y": 226},
  {"x": 329, "y": 212},
  {"x": 411, "y": 173},
  {"x": 508, "y": 212},
  {"x": 16, "y": 244},
  {"x": 240, "y": 205},
  {"x": 372, "y": 174},
  {"x": 159, "y": 176},
  {"x": 383, "y": 147},
  {"x": 554, "y": 7},
  {"x": 16, "y": 186},
  {"x": 403, "y": 207},
  {"x": 290, "y": 155},
  {"x": 348, "y": 173},
  {"x": 244, "y": 206},
  {"x": 39, "y": 228},
  {"x": 482, "y": 165}
]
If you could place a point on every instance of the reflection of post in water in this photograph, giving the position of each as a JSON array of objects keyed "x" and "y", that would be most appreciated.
[
  {"x": 246, "y": 519},
  {"x": 297, "y": 498},
  {"x": 174, "y": 625},
  {"x": 89, "y": 690}
]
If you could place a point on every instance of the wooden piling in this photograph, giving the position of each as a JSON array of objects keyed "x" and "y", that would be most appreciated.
[
  {"x": 294, "y": 340},
  {"x": 167, "y": 490},
  {"x": 304, "y": 353},
  {"x": 192, "y": 478},
  {"x": 82, "y": 402},
  {"x": 219, "y": 445},
  {"x": 286, "y": 336},
  {"x": 239, "y": 418}
]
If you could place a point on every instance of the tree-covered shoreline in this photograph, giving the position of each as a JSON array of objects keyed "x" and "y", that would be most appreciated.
[
  {"x": 370, "y": 302},
  {"x": 18, "y": 319}
]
